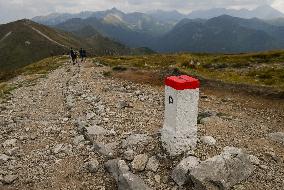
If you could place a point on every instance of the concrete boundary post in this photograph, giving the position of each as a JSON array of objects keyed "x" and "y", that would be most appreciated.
[{"x": 179, "y": 133}]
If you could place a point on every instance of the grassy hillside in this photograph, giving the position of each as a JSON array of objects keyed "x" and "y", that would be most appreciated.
[
  {"x": 259, "y": 69},
  {"x": 25, "y": 45}
]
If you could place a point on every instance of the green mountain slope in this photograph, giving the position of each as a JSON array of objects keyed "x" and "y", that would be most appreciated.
[{"x": 23, "y": 42}]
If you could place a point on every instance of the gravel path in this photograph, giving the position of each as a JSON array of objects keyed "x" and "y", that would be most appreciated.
[{"x": 44, "y": 148}]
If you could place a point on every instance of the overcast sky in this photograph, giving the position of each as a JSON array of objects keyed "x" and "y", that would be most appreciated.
[{"x": 11, "y": 10}]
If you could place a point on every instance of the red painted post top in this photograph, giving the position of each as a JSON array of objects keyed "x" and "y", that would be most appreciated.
[{"x": 182, "y": 82}]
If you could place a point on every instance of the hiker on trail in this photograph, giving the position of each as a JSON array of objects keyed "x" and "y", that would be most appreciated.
[
  {"x": 84, "y": 55},
  {"x": 73, "y": 56},
  {"x": 81, "y": 52}
]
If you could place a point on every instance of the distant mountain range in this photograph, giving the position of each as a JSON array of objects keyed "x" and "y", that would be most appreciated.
[
  {"x": 265, "y": 12},
  {"x": 262, "y": 12},
  {"x": 163, "y": 33},
  {"x": 24, "y": 42},
  {"x": 223, "y": 34}
]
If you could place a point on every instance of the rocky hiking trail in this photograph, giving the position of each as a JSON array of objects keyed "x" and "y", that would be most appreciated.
[{"x": 79, "y": 129}]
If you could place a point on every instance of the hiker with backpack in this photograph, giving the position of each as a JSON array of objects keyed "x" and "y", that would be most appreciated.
[
  {"x": 73, "y": 56},
  {"x": 81, "y": 52}
]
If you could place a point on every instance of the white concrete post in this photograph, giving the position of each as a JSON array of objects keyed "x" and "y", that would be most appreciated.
[{"x": 179, "y": 133}]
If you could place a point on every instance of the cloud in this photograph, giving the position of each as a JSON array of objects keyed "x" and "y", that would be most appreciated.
[{"x": 17, "y": 9}]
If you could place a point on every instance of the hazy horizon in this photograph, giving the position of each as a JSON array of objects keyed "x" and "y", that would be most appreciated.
[{"x": 18, "y": 9}]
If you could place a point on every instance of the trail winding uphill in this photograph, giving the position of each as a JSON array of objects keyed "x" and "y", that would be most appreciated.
[
  {"x": 59, "y": 132},
  {"x": 6, "y": 36},
  {"x": 48, "y": 38}
]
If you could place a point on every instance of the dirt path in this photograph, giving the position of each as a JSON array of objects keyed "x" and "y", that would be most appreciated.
[{"x": 45, "y": 151}]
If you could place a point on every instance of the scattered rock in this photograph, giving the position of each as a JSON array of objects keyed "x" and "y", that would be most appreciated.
[
  {"x": 139, "y": 162},
  {"x": 136, "y": 140},
  {"x": 9, "y": 179},
  {"x": 124, "y": 178},
  {"x": 208, "y": 140},
  {"x": 4, "y": 158},
  {"x": 92, "y": 166},
  {"x": 264, "y": 167},
  {"x": 222, "y": 171},
  {"x": 13, "y": 151},
  {"x": 153, "y": 164},
  {"x": 10, "y": 143},
  {"x": 77, "y": 140},
  {"x": 157, "y": 179},
  {"x": 96, "y": 130},
  {"x": 108, "y": 150},
  {"x": 206, "y": 114},
  {"x": 129, "y": 155},
  {"x": 58, "y": 148},
  {"x": 180, "y": 172},
  {"x": 253, "y": 159},
  {"x": 278, "y": 137},
  {"x": 122, "y": 105}
]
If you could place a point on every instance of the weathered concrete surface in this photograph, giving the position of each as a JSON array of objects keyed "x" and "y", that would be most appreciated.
[{"x": 179, "y": 133}]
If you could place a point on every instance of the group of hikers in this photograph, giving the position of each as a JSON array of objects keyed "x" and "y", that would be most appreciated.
[{"x": 74, "y": 55}]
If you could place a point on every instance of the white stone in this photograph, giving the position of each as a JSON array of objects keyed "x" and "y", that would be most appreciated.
[
  {"x": 179, "y": 133},
  {"x": 208, "y": 140}
]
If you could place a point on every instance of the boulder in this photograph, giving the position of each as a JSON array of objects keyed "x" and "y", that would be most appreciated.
[
  {"x": 124, "y": 178},
  {"x": 222, "y": 171},
  {"x": 180, "y": 172}
]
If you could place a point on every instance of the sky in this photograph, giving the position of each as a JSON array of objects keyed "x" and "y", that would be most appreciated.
[{"x": 11, "y": 10}]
